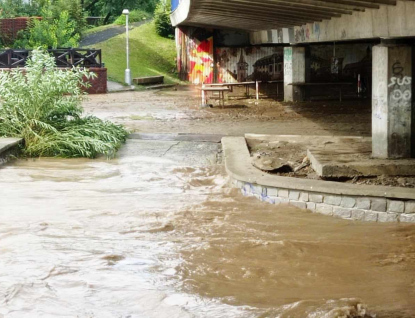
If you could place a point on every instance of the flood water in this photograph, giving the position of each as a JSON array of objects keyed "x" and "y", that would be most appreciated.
[{"x": 147, "y": 236}]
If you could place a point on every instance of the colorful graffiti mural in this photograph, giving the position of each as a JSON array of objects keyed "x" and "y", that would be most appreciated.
[
  {"x": 195, "y": 55},
  {"x": 249, "y": 64}
]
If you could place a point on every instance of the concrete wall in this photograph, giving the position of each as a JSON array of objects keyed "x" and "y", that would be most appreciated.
[
  {"x": 99, "y": 83},
  {"x": 225, "y": 38},
  {"x": 202, "y": 57},
  {"x": 388, "y": 21},
  {"x": 248, "y": 64},
  {"x": 362, "y": 208},
  {"x": 195, "y": 61}
]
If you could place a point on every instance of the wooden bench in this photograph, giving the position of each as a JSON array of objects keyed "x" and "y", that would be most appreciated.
[
  {"x": 148, "y": 80},
  {"x": 340, "y": 85}
]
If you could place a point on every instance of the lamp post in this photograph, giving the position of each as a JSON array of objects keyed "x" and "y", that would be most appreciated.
[{"x": 127, "y": 71}]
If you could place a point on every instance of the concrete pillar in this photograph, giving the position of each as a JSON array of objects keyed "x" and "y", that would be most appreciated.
[
  {"x": 392, "y": 109},
  {"x": 294, "y": 72}
]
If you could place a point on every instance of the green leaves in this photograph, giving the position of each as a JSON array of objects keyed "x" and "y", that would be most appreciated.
[
  {"x": 50, "y": 32},
  {"x": 135, "y": 16},
  {"x": 42, "y": 106},
  {"x": 162, "y": 19}
]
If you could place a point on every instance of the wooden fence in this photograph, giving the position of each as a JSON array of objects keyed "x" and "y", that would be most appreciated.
[{"x": 66, "y": 58}]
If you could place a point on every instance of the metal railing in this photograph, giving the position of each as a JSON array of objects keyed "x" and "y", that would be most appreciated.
[{"x": 65, "y": 58}]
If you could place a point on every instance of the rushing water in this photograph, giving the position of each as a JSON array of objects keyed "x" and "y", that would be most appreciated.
[{"x": 144, "y": 236}]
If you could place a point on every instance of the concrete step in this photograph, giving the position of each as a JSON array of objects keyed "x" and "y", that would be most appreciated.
[
  {"x": 8, "y": 147},
  {"x": 177, "y": 137},
  {"x": 148, "y": 80}
]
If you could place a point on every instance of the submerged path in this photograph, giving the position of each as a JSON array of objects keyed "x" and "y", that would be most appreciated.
[{"x": 157, "y": 233}]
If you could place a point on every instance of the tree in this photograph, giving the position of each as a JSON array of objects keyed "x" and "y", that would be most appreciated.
[
  {"x": 49, "y": 33},
  {"x": 162, "y": 19},
  {"x": 111, "y": 9}
]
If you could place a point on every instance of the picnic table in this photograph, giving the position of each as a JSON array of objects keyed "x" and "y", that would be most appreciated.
[
  {"x": 340, "y": 85},
  {"x": 221, "y": 88}
]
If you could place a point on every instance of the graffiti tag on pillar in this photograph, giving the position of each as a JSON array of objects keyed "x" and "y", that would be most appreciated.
[
  {"x": 396, "y": 81},
  {"x": 397, "y": 69},
  {"x": 401, "y": 84},
  {"x": 401, "y": 95}
]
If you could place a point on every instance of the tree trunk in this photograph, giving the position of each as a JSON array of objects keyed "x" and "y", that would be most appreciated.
[{"x": 107, "y": 17}]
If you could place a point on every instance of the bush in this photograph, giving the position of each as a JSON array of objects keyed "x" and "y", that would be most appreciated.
[
  {"x": 49, "y": 33},
  {"x": 13, "y": 8},
  {"x": 162, "y": 19},
  {"x": 74, "y": 9},
  {"x": 42, "y": 106},
  {"x": 135, "y": 16}
]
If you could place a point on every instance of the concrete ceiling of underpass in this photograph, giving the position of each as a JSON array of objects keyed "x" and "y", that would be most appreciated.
[{"x": 270, "y": 14}]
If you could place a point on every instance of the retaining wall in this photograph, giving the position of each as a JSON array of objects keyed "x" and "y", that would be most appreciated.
[
  {"x": 374, "y": 209},
  {"x": 347, "y": 201},
  {"x": 99, "y": 83}
]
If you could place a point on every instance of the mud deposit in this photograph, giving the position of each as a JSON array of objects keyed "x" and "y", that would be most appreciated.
[{"x": 153, "y": 235}]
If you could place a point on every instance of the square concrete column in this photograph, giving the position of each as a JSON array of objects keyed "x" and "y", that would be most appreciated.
[
  {"x": 294, "y": 72},
  {"x": 392, "y": 109}
]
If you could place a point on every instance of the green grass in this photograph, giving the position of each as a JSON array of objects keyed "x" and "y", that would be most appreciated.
[{"x": 150, "y": 55}]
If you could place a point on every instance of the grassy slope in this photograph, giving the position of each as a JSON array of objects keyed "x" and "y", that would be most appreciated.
[{"x": 150, "y": 55}]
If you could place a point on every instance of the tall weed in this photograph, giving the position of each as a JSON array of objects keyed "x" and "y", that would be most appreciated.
[{"x": 42, "y": 105}]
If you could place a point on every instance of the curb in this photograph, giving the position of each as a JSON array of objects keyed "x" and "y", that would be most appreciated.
[
  {"x": 356, "y": 202},
  {"x": 7, "y": 147}
]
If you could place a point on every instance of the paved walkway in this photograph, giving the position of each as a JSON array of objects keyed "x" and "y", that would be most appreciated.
[
  {"x": 7, "y": 143},
  {"x": 109, "y": 33},
  {"x": 117, "y": 87}
]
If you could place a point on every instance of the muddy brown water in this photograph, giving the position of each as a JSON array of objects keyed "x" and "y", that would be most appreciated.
[{"x": 141, "y": 236}]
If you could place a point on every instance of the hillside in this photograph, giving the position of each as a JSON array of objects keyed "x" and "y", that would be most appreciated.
[{"x": 150, "y": 55}]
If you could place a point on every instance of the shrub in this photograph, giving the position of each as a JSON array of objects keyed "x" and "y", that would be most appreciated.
[
  {"x": 49, "y": 33},
  {"x": 162, "y": 19},
  {"x": 42, "y": 106},
  {"x": 74, "y": 9},
  {"x": 135, "y": 16},
  {"x": 13, "y": 8}
]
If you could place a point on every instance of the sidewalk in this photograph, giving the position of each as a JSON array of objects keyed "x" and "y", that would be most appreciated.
[{"x": 7, "y": 146}]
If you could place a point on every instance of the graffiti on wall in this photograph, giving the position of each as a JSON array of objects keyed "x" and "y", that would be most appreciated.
[
  {"x": 195, "y": 55},
  {"x": 307, "y": 32},
  {"x": 201, "y": 61},
  {"x": 400, "y": 85},
  {"x": 249, "y": 64},
  {"x": 343, "y": 62}
]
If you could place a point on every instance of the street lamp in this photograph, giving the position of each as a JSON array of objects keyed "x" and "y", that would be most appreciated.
[{"x": 127, "y": 71}]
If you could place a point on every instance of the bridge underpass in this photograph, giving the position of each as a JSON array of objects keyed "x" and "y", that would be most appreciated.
[{"x": 298, "y": 24}]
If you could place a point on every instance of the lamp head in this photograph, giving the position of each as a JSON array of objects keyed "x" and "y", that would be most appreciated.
[{"x": 125, "y": 12}]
